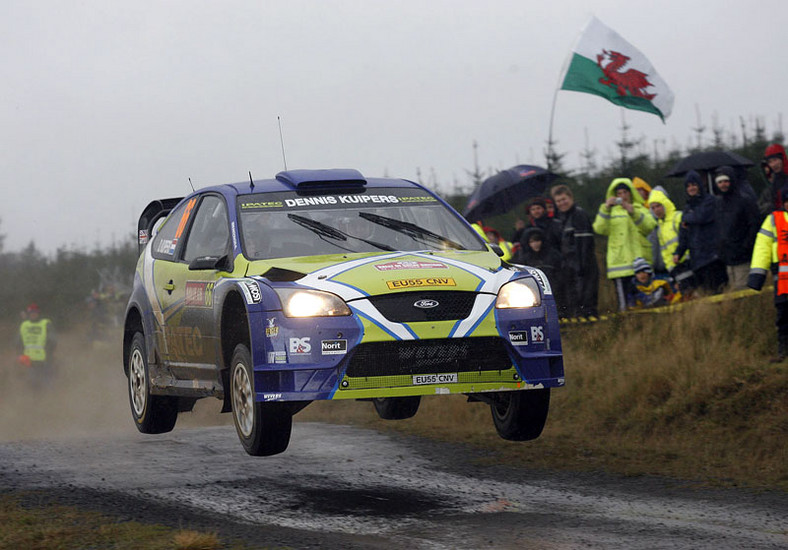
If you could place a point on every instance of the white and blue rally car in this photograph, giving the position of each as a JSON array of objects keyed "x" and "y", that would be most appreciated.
[{"x": 325, "y": 284}]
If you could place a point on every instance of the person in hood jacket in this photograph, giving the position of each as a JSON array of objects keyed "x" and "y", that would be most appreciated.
[
  {"x": 649, "y": 242},
  {"x": 535, "y": 251},
  {"x": 775, "y": 167},
  {"x": 737, "y": 222},
  {"x": 771, "y": 253},
  {"x": 699, "y": 235},
  {"x": 668, "y": 226},
  {"x": 623, "y": 219},
  {"x": 578, "y": 251}
]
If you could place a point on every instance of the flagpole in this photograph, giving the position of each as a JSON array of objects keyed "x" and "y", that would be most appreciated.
[{"x": 561, "y": 77}]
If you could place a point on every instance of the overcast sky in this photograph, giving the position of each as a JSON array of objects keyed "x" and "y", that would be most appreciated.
[{"x": 109, "y": 105}]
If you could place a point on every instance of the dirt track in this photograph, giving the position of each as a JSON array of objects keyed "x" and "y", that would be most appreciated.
[{"x": 340, "y": 486}]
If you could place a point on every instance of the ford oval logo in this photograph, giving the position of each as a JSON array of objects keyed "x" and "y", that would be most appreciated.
[{"x": 426, "y": 304}]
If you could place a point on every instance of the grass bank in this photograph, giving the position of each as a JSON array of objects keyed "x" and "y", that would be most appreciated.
[{"x": 688, "y": 394}]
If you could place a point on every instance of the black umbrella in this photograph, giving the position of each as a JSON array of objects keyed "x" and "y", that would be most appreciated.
[
  {"x": 708, "y": 160},
  {"x": 505, "y": 190}
]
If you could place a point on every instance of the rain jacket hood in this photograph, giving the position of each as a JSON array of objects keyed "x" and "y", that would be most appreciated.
[
  {"x": 640, "y": 183},
  {"x": 611, "y": 189},
  {"x": 775, "y": 149},
  {"x": 668, "y": 227}
]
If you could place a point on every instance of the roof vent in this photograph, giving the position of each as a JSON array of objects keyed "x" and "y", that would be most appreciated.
[{"x": 322, "y": 179}]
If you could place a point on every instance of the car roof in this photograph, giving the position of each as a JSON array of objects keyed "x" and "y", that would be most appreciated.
[{"x": 311, "y": 180}]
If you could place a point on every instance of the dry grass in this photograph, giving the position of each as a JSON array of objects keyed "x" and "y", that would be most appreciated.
[{"x": 688, "y": 394}]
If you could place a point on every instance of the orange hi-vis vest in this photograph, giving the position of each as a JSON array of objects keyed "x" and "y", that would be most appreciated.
[{"x": 781, "y": 236}]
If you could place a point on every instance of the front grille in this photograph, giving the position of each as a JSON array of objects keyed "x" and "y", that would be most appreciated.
[
  {"x": 399, "y": 308},
  {"x": 429, "y": 357}
]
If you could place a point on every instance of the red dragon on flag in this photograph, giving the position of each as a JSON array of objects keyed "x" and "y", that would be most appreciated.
[{"x": 632, "y": 81}]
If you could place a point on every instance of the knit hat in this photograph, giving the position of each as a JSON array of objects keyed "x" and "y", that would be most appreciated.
[
  {"x": 640, "y": 264},
  {"x": 623, "y": 186},
  {"x": 538, "y": 200}
]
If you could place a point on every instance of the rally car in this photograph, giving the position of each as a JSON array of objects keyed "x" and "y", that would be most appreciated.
[{"x": 325, "y": 284}]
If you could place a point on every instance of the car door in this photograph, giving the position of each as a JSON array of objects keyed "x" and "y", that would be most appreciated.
[{"x": 186, "y": 295}]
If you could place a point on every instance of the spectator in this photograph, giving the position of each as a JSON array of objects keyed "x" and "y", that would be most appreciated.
[
  {"x": 775, "y": 167},
  {"x": 538, "y": 217},
  {"x": 36, "y": 344},
  {"x": 623, "y": 219},
  {"x": 668, "y": 225},
  {"x": 494, "y": 236},
  {"x": 737, "y": 221},
  {"x": 699, "y": 235},
  {"x": 771, "y": 252},
  {"x": 649, "y": 242},
  {"x": 535, "y": 251},
  {"x": 647, "y": 291},
  {"x": 577, "y": 249}
]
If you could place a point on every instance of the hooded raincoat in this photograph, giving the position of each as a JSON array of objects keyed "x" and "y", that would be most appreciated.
[
  {"x": 623, "y": 230},
  {"x": 667, "y": 228}
]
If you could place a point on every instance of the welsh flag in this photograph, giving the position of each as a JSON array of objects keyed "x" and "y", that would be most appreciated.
[{"x": 606, "y": 65}]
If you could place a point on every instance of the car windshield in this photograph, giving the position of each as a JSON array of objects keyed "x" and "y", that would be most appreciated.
[{"x": 287, "y": 224}]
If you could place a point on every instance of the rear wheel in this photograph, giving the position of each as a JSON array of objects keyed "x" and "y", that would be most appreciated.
[
  {"x": 520, "y": 415},
  {"x": 397, "y": 408},
  {"x": 263, "y": 428},
  {"x": 153, "y": 414}
]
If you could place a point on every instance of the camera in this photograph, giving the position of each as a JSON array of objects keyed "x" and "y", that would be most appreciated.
[{"x": 619, "y": 200}]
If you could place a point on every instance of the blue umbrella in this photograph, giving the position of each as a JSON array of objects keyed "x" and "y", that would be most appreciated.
[{"x": 505, "y": 190}]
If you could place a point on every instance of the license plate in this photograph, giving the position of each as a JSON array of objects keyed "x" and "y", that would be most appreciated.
[{"x": 421, "y": 379}]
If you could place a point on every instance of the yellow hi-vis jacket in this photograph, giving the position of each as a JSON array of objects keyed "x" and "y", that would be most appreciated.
[
  {"x": 623, "y": 231},
  {"x": 667, "y": 228},
  {"x": 34, "y": 339},
  {"x": 765, "y": 252}
]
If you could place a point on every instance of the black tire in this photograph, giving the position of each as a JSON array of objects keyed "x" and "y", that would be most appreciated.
[
  {"x": 153, "y": 414},
  {"x": 397, "y": 408},
  {"x": 263, "y": 428},
  {"x": 520, "y": 415}
]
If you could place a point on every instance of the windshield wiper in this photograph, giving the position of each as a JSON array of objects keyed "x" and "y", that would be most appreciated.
[
  {"x": 411, "y": 230},
  {"x": 325, "y": 230},
  {"x": 318, "y": 227}
]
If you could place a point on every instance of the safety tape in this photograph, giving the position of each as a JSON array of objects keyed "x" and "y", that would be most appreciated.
[{"x": 672, "y": 308}]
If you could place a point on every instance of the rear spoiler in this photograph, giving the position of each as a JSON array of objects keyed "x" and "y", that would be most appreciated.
[{"x": 153, "y": 213}]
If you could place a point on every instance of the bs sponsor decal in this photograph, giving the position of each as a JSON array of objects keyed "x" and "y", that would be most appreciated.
[
  {"x": 252, "y": 292},
  {"x": 537, "y": 334},
  {"x": 392, "y": 266},
  {"x": 199, "y": 293},
  {"x": 422, "y": 379},
  {"x": 424, "y": 281},
  {"x": 333, "y": 347},
  {"x": 541, "y": 278},
  {"x": 300, "y": 346},
  {"x": 271, "y": 330},
  {"x": 518, "y": 337},
  {"x": 277, "y": 357},
  {"x": 143, "y": 236}
]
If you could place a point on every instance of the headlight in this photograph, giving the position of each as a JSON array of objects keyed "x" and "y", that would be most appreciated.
[
  {"x": 311, "y": 303},
  {"x": 519, "y": 293}
]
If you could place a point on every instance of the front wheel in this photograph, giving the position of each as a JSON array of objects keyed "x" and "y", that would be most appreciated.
[
  {"x": 397, "y": 408},
  {"x": 520, "y": 415},
  {"x": 263, "y": 428},
  {"x": 153, "y": 414}
]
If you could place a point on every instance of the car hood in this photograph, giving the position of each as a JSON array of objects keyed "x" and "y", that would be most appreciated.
[{"x": 354, "y": 276}]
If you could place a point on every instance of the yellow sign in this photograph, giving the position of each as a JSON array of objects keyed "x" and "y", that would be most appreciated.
[{"x": 425, "y": 281}]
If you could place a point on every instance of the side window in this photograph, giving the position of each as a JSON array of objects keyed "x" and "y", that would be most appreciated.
[
  {"x": 166, "y": 241},
  {"x": 210, "y": 232}
]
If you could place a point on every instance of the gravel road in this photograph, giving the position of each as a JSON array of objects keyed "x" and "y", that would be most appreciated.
[{"x": 347, "y": 487}]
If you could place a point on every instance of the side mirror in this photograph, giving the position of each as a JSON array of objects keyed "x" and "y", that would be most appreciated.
[
  {"x": 201, "y": 263},
  {"x": 496, "y": 248}
]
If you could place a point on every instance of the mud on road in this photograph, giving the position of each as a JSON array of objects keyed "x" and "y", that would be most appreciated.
[{"x": 339, "y": 486}]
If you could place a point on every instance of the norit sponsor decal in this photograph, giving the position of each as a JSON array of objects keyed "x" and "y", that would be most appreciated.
[
  {"x": 422, "y": 379},
  {"x": 333, "y": 347},
  {"x": 423, "y": 281},
  {"x": 518, "y": 337},
  {"x": 392, "y": 266}
]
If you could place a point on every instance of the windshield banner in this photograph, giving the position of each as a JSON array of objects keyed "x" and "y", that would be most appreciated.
[{"x": 293, "y": 201}]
